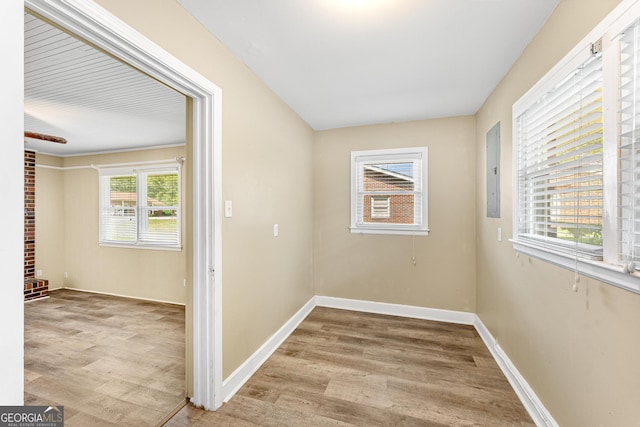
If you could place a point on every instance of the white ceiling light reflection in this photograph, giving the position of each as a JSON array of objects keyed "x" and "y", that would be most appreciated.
[{"x": 358, "y": 5}]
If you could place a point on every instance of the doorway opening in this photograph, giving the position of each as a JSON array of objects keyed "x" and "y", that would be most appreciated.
[{"x": 98, "y": 27}]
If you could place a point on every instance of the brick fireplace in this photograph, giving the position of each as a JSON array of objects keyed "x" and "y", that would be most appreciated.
[{"x": 34, "y": 287}]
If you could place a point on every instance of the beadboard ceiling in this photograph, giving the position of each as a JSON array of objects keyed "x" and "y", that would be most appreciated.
[{"x": 94, "y": 101}]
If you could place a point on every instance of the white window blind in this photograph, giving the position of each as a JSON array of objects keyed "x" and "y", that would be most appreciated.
[
  {"x": 629, "y": 181},
  {"x": 140, "y": 207},
  {"x": 560, "y": 165},
  {"x": 576, "y": 136},
  {"x": 119, "y": 212},
  {"x": 389, "y": 191}
]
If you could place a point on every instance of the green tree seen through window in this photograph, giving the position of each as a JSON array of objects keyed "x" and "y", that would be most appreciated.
[{"x": 163, "y": 188}]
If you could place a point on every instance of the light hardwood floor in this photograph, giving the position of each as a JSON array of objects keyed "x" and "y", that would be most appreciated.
[
  {"x": 342, "y": 368},
  {"x": 107, "y": 360}
]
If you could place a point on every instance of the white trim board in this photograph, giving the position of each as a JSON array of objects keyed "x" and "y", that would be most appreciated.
[
  {"x": 122, "y": 150},
  {"x": 527, "y": 396},
  {"x": 35, "y": 299},
  {"x": 117, "y": 295},
  {"x": 459, "y": 317}
]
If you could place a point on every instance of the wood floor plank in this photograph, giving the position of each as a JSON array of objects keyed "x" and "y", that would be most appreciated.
[
  {"x": 348, "y": 368},
  {"x": 108, "y": 360},
  {"x": 269, "y": 414},
  {"x": 350, "y": 412}
]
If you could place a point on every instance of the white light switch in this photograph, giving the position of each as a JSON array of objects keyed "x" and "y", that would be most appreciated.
[
  {"x": 228, "y": 209},
  {"x": 276, "y": 230},
  {"x": 499, "y": 234}
]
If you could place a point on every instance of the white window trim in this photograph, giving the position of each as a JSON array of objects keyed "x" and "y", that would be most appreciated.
[
  {"x": 137, "y": 170},
  {"x": 390, "y": 228},
  {"x": 609, "y": 270},
  {"x": 613, "y": 274}
]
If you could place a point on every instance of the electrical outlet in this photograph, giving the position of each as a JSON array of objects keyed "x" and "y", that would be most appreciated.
[
  {"x": 38, "y": 273},
  {"x": 228, "y": 209},
  {"x": 66, "y": 275}
]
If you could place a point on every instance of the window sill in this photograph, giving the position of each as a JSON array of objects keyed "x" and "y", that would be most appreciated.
[
  {"x": 600, "y": 270},
  {"x": 140, "y": 246},
  {"x": 399, "y": 232}
]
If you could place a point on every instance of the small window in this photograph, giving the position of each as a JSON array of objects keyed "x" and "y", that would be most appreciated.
[
  {"x": 140, "y": 207},
  {"x": 388, "y": 191}
]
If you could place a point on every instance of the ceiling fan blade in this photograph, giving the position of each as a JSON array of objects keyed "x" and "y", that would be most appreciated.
[{"x": 44, "y": 137}]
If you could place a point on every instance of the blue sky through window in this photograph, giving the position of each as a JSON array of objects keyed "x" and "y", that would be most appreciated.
[{"x": 404, "y": 168}]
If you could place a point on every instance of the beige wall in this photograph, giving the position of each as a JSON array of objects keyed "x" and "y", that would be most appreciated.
[
  {"x": 267, "y": 174},
  {"x": 67, "y": 234},
  {"x": 379, "y": 267},
  {"x": 579, "y": 351},
  {"x": 50, "y": 220}
]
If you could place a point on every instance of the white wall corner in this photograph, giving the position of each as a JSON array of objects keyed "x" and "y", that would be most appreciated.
[
  {"x": 528, "y": 397},
  {"x": 439, "y": 315},
  {"x": 240, "y": 376}
]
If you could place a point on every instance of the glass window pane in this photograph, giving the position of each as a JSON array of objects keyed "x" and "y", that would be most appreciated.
[
  {"x": 122, "y": 191},
  {"x": 162, "y": 189},
  {"x": 162, "y": 226},
  {"x": 388, "y": 177}
]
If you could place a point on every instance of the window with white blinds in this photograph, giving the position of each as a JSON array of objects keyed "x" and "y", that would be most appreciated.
[
  {"x": 140, "y": 207},
  {"x": 576, "y": 138},
  {"x": 388, "y": 191},
  {"x": 629, "y": 185},
  {"x": 560, "y": 164}
]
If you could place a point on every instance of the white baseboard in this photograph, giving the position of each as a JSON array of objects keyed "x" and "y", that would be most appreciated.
[
  {"x": 27, "y": 301},
  {"x": 460, "y": 317},
  {"x": 241, "y": 375},
  {"x": 527, "y": 396},
  {"x": 118, "y": 295}
]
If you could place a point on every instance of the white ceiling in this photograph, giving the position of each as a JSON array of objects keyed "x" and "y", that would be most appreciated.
[
  {"x": 95, "y": 102},
  {"x": 342, "y": 63},
  {"x": 336, "y": 63}
]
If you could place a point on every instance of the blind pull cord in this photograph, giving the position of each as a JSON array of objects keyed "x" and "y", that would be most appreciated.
[
  {"x": 413, "y": 259},
  {"x": 576, "y": 277}
]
